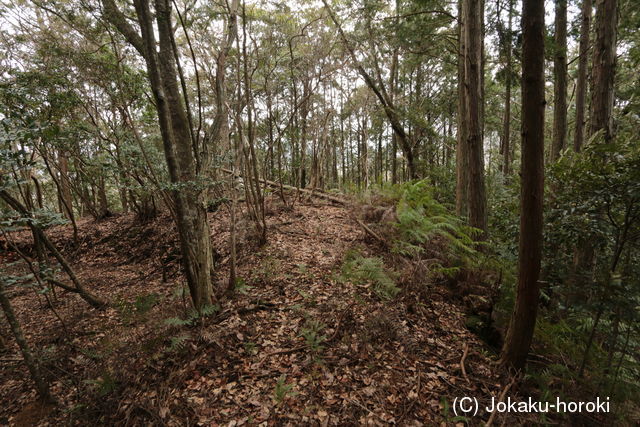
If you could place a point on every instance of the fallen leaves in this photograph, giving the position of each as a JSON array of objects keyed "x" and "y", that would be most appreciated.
[{"x": 229, "y": 367}]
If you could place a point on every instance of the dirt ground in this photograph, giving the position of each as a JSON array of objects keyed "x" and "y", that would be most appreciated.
[{"x": 294, "y": 345}]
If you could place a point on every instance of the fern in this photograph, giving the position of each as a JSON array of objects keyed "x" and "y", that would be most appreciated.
[
  {"x": 176, "y": 321},
  {"x": 194, "y": 316},
  {"x": 241, "y": 286},
  {"x": 311, "y": 332},
  {"x": 208, "y": 310},
  {"x": 178, "y": 342},
  {"x": 104, "y": 384},
  {"x": 363, "y": 271},
  {"x": 282, "y": 390},
  {"x": 421, "y": 219}
]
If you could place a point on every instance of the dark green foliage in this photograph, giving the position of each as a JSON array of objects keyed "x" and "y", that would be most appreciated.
[
  {"x": 596, "y": 202},
  {"x": 595, "y": 205}
]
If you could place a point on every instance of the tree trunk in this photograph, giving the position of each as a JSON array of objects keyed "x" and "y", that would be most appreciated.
[
  {"x": 462, "y": 160},
  {"x": 32, "y": 365},
  {"x": 474, "y": 17},
  {"x": 560, "y": 79},
  {"x": 506, "y": 123},
  {"x": 603, "y": 71},
  {"x": 601, "y": 120},
  {"x": 393, "y": 86},
  {"x": 523, "y": 320},
  {"x": 304, "y": 112},
  {"x": 581, "y": 85},
  {"x": 180, "y": 153},
  {"x": 192, "y": 215},
  {"x": 66, "y": 201},
  {"x": 103, "y": 203}
]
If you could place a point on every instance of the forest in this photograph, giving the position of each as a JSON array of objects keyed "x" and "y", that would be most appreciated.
[{"x": 328, "y": 212}]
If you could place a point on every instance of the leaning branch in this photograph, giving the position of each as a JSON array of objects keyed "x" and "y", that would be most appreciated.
[
  {"x": 315, "y": 193},
  {"x": 79, "y": 288}
]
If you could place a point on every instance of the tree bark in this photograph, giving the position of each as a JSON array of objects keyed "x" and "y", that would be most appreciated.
[
  {"x": 66, "y": 201},
  {"x": 581, "y": 84},
  {"x": 191, "y": 218},
  {"x": 560, "y": 77},
  {"x": 462, "y": 160},
  {"x": 32, "y": 365},
  {"x": 523, "y": 320},
  {"x": 474, "y": 18},
  {"x": 603, "y": 68},
  {"x": 506, "y": 123}
]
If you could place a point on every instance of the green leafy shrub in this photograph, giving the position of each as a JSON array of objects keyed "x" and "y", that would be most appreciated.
[{"x": 241, "y": 286}]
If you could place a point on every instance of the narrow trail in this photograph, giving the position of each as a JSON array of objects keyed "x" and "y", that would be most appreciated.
[{"x": 362, "y": 361}]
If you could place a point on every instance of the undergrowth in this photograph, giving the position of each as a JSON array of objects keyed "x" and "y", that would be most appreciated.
[
  {"x": 371, "y": 271},
  {"x": 422, "y": 219}
]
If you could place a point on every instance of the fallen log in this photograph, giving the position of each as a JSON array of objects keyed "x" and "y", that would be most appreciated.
[{"x": 314, "y": 192}]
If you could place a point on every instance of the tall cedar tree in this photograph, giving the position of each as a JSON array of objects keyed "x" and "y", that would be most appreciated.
[
  {"x": 462, "y": 158},
  {"x": 506, "y": 120},
  {"x": 560, "y": 85},
  {"x": 601, "y": 120},
  {"x": 523, "y": 320},
  {"x": 581, "y": 83},
  {"x": 472, "y": 153},
  {"x": 603, "y": 68}
]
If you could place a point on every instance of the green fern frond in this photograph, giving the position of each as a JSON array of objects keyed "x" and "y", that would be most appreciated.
[
  {"x": 176, "y": 321},
  {"x": 178, "y": 342}
]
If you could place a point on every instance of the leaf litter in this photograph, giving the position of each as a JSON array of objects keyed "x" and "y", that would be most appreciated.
[{"x": 298, "y": 345}]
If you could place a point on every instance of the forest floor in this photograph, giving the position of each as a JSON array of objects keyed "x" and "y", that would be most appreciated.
[{"x": 295, "y": 345}]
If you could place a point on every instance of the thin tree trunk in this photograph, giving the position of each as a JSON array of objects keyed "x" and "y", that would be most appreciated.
[
  {"x": 506, "y": 123},
  {"x": 560, "y": 78},
  {"x": 65, "y": 188},
  {"x": 32, "y": 365},
  {"x": 622, "y": 354},
  {"x": 462, "y": 157}
]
